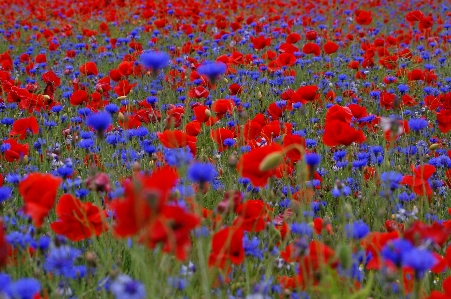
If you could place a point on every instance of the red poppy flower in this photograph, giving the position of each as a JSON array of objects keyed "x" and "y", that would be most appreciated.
[
  {"x": 193, "y": 128},
  {"x": 446, "y": 285},
  {"x": 252, "y": 216},
  {"x": 415, "y": 75},
  {"x": 22, "y": 126},
  {"x": 220, "y": 135},
  {"x": 172, "y": 228},
  {"x": 202, "y": 113},
  {"x": 293, "y": 38},
  {"x": 285, "y": 59},
  {"x": 311, "y": 48},
  {"x": 79, "y": 97},
  {"x": 222, "y": 106},
  {"x": 227, "y": 247},
  {"x": 363, "y": 17},
  {"x": 77, "y": 220},
  {"x": 38, "y": 192},
  {"x": 175, "y": 138},
  {"x": 3, "y": 246},
  {"x": 289, "y": 140},
  {"x": 235, "y": 89},
  {"x": 444, "y": 120},
  {"x": 89, "y": 68},
  {"x": 330, "y": 47},
  {"x": 341, "y": 133},
  {"x": 15, "y": 151},
  {"x": 311, "y": 35},
  {"x": 260, "y": 42},
  {"x": 198, "y": 92},
  {"x": 373, "y": 243},
  {"x": 414, "y": 16},
  {"x": 143, "y": 197},
  {"x": 419, "y": 180},
  {"x": 392, "y": 225},
  {"x": 250, "y": 164},
  {"x": 123, "y": 88},
  {"x": 419, "y": 232},
  {"x": 305, "y": 94},
  {"x": 125, "y": 68}
]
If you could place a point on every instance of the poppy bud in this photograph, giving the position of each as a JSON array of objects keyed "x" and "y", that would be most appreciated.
[
  {"x": 232, "y": 161},
  {"x": 136, "y": 167},
  {"x": 120, "y": 116},
  {"x": 259, "y": 95},
  {"x": 46, "y": 97},
  {"x": 207, "y": 112},
  {"x": 271, "y": 161},
  {"x": 226, "y": 81},
  {"x": 122, "y": 98},
  {"x": 25, "y": 160},
  {"x": 344, "y": 255},
  {"x": 434, "y": 146},
  {"x": 91, "y": 259}
]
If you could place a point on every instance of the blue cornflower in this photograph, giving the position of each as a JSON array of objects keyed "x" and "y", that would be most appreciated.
[
  {"x": 177, "y": 283},
  {"x": 5, "y": 193},
  {"x": 60, "y": 261},
  {"x": 417, "y": 124},
  {"x": 357, "y": 230},
  {"x": 124, "y": 287},
  {"x": 5, "y": 280},
  {"x": 178, "y": 156},
  {"x": 391, "y": 179},
  {"x": 312, "y": 159},
  {"x": 65, "y": 171},
  {"x": 19, "y": 239},
  {"x": 395, "y": 250},
  {"x": 251, "y": 247},
  {"x": 154, "y": 60},
  {"x": 202, "y": 172},
  {"x": 99, "y": 121},
  {"x": 229, "y": 142},
  {"x": 86, "y": 143},
  {"x": 403, "y": 88},
  {"x": 112, "y": 108},
  {"x": 302, "y": 229},
  {"x": 25, "y": 288},
  {"x": 43, "y": 242},
  {"x": 344, "y": 190},
  {"x": 212, "y": 69},
  {"x": 421, "y": 260}
]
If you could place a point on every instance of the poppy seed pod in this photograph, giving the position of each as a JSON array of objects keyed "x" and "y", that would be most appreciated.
[{"x": 271, "y": 161}]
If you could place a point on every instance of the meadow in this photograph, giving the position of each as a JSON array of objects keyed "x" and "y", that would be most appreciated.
[{"x": 225, "y": 149}]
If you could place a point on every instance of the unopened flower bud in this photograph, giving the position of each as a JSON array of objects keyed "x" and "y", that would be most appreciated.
[{"x": 271, "y": 161}]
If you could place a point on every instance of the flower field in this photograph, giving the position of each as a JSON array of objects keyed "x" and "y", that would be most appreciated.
[{"x": 225, "y": 149}]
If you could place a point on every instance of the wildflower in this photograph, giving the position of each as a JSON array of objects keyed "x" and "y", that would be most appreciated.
[
  {"x": 60, "y": 261},
  {"x": 357, "y": 230},
  {"x": 417, "y": 124},
  {"x": 391, "y": 179},
  {"x": 202, "y": 172},
  {"x": 38, "y": 192},
  {"x": 5, "y": 193},
  {"x": 25, "y": 288},
  {"x": 212, "y": 70},
  {"x": 99, "y": 121},
  {"x": 124, "y": 287},
  {"x": 155, "y": 60},
  {"x": 395, "y": 250},
  {"x": 312, "y": 159},
  {"x": 77, "y": 220},
  {"x": 420, "y": 260}
]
